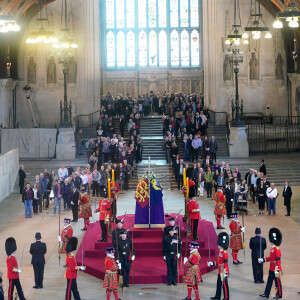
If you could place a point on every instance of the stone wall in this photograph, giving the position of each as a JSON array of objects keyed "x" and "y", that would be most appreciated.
[{"x": 9, "y": 166}]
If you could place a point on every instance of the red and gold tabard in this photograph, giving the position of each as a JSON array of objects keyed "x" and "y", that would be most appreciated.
[
  {"x": 11, "y": 263},
  {"x": 86, "y": 210},
  {"x": 222, "y": 262},
  {"x": 104, "y": 209},
  {"x": 111, "y": 277},
  {"x": 274, "y": 259},
  {"x": 220, "y": 204},
  {"x": 192, "y": 272},
  {"x": 192, "y": 208},
  {"x": 66, "y": 233},
  {"x": 236, "y": 242},
  {"x": 71, "y": 271}
]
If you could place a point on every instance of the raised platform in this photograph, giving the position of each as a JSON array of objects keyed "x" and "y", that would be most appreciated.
[{"x": 149, "y": 266}]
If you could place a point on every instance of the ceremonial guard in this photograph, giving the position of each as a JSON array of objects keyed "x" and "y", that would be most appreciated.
[
  {"x": 105, "y": 213},
  {"x": 116, "y": 234},
  {"x": 194, "y": 211},
  {"x": 1, "y": 287},
  {"x": 86, "y": 210},
  {"x": 72, "y": 269},
  {"x": 257, "y": 245},
  {"x": 192, "y": 276},
  {"x": 110, "y": 282},
  {"x": 219, "y": 207},
  {"x": 13, "y": 270},
  {"x": 126, "y": 255},
  {"x": 172, "y": 247},
  {"x": 171, "y": 226},
  {"x": 66, "y": 233},
  {"x": 223, "y": 268},
  {"x": 236, "y": 241},
  {"x": 275, "y": 269}
]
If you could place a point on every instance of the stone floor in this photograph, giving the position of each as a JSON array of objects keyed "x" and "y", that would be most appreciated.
[{"x": 13, "y": 223}]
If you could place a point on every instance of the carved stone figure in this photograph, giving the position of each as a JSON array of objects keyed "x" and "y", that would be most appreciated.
[
  {"x": 31, "y": 72},
  {"x": 253, "y": 63},
  {"x": 72, "y": 72},
  {"x": 227, "y": 69},
  {"x": 279, "y": 67},
  {"x": 51, "y": 71}
]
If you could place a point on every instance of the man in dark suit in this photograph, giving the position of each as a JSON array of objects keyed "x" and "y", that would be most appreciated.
[
  {"x": 258, "y": 245},
  {"x": 262, "y": 167},
  {"x": 179, "y": 173},
  {"x": 38, "y": 251},
  {"x": 287, "y": 195},
  {"x": 229, "y": 199},
  {"x": 74, "y": 203},
  {"x": 22, "y": 176}
]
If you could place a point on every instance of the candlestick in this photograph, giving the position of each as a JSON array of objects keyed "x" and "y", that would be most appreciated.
[
  {"x": 113, "y": 177},
  {"x": 109, "y": 193},
  {"x": 187, "y": 187},
  {"x": 184, "y": 176}
]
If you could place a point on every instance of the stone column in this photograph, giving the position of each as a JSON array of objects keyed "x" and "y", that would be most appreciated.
[
  {"x": 210, "y": 40},
  {"x": 295, "y": 83}
]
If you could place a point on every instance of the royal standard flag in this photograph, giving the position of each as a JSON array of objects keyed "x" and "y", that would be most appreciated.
[{"x": 156, "y": 193}]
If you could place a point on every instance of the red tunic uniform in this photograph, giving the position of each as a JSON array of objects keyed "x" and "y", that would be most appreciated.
[
  {"x": 86, "y": 210},
  {"x": 110, "y": 278},
  {"x": 11, "y": 263},
  {"x": 222, "y": 262},
  {"x": 104, "y": 209},
  {"x": 236, "y": 235},
  {"x": 192, "y": 208},
  {"x": 71, "y": 271},
  {"x": 192, "y": 272},
  {"x": 274, "y": 259},
  {"x": 220, "y": 204},
  {"x": 66, "y": 233}
]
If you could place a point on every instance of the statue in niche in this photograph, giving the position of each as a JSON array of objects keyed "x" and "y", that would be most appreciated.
[
  {"x": 279, "y": 67},
  {"x": 227, "y": 69},
  {"x": 72, "y": 72},
  {"x": 253, "y": 63},
  {"x": 51, "y": 71},
  {"x": 31, "y": 72}
]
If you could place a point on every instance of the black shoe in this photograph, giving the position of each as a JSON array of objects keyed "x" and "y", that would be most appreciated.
[
  {"x": 186, "y": 298},
  {"x": 105, "y": 240},
  {"x": 84, "y": 229},
  {"x": 36, "y": 287},
  {"x": 264, "y": 296},
  {"x": 214, "y": 298},
  {"x": 123, "y": 285},
  {"x": 127, "y": 285},
  {"x": 239, "y": 262},
  {"x": 41, "y": 286},
  {"x": 255, "y": 281},
  {"x": 262, "y": 281},
  {"x": 169, "y": 283},
  {"x": 221, "y": 227},
  {"x": 287, "y": 215},
  {"x": 174, "y": 283},
  {"x": 100, "y": 240}
]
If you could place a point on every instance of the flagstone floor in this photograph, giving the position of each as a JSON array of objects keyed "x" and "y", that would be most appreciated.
[{"x": 13, "y": 223}]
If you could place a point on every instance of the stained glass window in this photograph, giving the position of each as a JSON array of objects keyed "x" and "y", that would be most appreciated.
[
  {"x": 143, "y": 49},
  {"x": 151, "y": 33},
  {"x": 162, "y": 13},
  {"x": 142, "y": 9},
  {"x": 110, "y": 13},
  {"x": 184, "y": 13},
  {"x": 174, "y": 48},
  {"x": 130, "y": 13},
  {"x": 120, "y": 49},
  {"x": 152, "y": 49},
  {"x": 195, "y": 58},
  {"x": 120, "y": 13},
  {"x": 110, "y": 42},
  {"x": 163, "y": 49},
  {"x": 174, "y": 13},
  {"x": 130, "y": 49}
]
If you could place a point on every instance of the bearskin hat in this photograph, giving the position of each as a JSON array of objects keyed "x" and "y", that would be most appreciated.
[
  {"x": 10, "y": 246},
  {"x": 193, "y": 191},
  {"x": 223, "y": 240},
  {"x": 275, "y": 236},
  {"x": 71, "y": 244}
]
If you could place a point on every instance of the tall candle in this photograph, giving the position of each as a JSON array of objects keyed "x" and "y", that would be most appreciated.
[
  {"x": 113, "y": 177},
  {"x": 187, "y": 187},
  {"x": 108, "y": 184},
  {"x": 184, "y": 176}
]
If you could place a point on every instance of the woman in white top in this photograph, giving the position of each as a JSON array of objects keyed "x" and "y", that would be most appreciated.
[{"x": 35, "y": 199}]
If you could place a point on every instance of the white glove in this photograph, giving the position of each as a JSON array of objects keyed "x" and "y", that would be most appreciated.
[
  {"x": 72, "y": 202},
  {"x": 117, "y": 261},
  {"x": 19, "y": 270},
  {"x": 133, "y": 257},
  {"x": 59, "y": 238},
  {"x": 210, "y": 263},
  {"x": 243, "y": 229},
  {"x": 185, "y": 260},
  {"x": 165, "y": 258},
  {"x": 107, "y": 220},
  {"x": 119, "y": 265},
  {"x": 225, "y": 275},
  {"x": 231, "y": 200},
  {"x": 260, "y": 260},
  {"x": 82, "y": 268},
  {"x": 178, "y": 255},
  {"x": 198, "y": 209},
  {"x": 95, "y": 211}
]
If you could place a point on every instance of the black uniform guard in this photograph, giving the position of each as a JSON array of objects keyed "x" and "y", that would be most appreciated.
[
  {"x": 172, "y": 247},
  {"x": 229, "y": 199},
  {"x": 258, "y": 245},
  {"x": 38, "y": 251},
  {"x": 126, "y": 256},
  {"x": 116, "y": 234},
  {"x": 171, "y": 226},
  {"x": 74, "y": 203}
]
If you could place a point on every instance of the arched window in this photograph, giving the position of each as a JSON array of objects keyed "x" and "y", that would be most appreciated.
[{"x": 151, "y": 33}]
